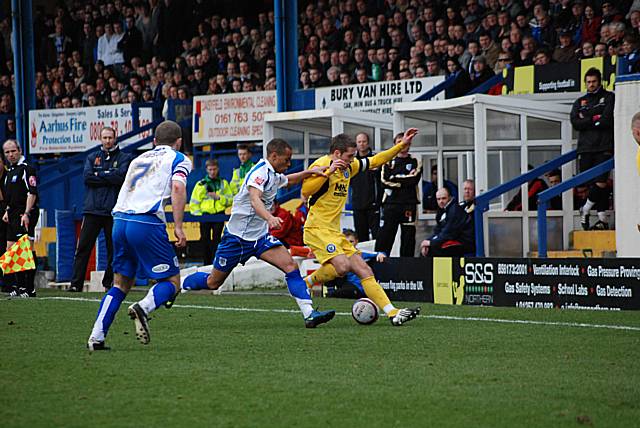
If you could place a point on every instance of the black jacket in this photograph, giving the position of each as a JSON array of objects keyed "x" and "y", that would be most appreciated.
[
  {"x": 400, "y": 179},
  {"x": 366, "y": 188},
  {"x": 452, "y": 224},
  {"x": 595, "y": 127},
  {"x": 104, "y": 173}
]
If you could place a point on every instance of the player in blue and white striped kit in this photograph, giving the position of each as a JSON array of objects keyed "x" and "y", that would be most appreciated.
[
  {"x": 139, "y": 233},
  {"x": 247, "y": 232}
]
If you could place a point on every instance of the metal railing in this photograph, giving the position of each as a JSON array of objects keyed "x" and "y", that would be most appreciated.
[
  {"x": 547, "y": 195},
  {"x": 483, "y": 200}
]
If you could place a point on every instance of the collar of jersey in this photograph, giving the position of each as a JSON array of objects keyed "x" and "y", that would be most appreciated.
[{"x": 268, "y": 164}]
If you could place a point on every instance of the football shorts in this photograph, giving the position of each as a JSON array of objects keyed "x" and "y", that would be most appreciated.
[{"x": 326, "y": 244}]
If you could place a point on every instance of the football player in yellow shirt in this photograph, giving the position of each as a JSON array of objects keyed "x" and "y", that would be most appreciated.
[{"x": 327, "y": 197}]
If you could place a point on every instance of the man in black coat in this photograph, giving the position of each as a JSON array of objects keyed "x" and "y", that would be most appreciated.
[
  {"x": 453, "y": 234},
  {"x": 104, "y": 172},
  {"x": 366, "y": 195},
  {"x": 592, "y": 117}
]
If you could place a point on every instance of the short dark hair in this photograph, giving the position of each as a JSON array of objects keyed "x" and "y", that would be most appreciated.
[
  {"x": 277, "y": 145},
  {"x": 593, "y": 72},
  {"x": 244, "y": 147},
  {"x": 349, "y": 232},
  {"x": 167, "y": 133},
  {"x": 341, "y": 142},
  {"x": 554, "y": 173},
  {"x": 211, "y": 162}
]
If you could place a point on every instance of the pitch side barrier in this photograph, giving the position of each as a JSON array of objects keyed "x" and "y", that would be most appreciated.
[{"x": 591, "y": 284}]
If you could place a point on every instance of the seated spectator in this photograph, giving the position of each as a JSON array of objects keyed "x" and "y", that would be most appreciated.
[
  {"x": 291, "y": 228},
  {"x": 631, "y": 55},
  {"x": 453, "y": 234},
  {"x": 542, "y": 57},
  {"x": 535, "y": 186},
  {"x": 481, "y": 72},
  {"x": 555, "y": 177},
  {"x": 565, "y": 51},
  {"x": 429, "y": 189}
]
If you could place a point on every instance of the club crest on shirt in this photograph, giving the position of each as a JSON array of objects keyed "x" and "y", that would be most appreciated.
[
  {"x": 331, "y": 248},
  {"x": 408, "y": 167},
  {"x": 222, "y": 261},
  {"x": 346, "y": 173}
]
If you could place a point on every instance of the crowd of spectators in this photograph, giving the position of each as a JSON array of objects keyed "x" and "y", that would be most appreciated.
[
  {"x": 359, "y": 41},
  {"x": 108, "y": 52}
]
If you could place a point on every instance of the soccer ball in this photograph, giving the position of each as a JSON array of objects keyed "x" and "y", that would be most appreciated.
[{"x": 364, "y": 311}]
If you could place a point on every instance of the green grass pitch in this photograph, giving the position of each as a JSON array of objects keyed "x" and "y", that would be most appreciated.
[{"x": 246, "y": 360}]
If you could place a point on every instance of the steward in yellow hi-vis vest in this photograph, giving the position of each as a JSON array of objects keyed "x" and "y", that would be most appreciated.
[
  {"x": 237, "y": 178},
  {"x": 211, "y": 195},
  {"x": 327, "y": 197}
]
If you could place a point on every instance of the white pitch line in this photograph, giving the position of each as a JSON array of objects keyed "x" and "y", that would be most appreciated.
[{"x": 438, "y": 317}]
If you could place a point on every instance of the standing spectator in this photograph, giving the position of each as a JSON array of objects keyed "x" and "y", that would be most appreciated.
[
  {"x": 453, "y": 235},
  {"x": 108, "y": 51},
  {"x": 211, "y": 195},
  {"x": 592, "y": 117},
  {"x": 400, "y": 178},
  {"x": 58, "y": 43},
  {"x": 21, "y": 213},
  {"x": 104, "y": 172},
  {"x": 237, "y": 178},
  {"x": 366, "y": 194},
  {"x": 131, "y": 42}
]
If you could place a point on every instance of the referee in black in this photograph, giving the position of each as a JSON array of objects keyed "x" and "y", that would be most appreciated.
[{"x": 21, "y": 214}]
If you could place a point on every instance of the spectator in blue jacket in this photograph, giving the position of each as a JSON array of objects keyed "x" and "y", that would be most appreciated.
[
  {"x": 104, "y": 172},
  {"x": 453, "y": 234}
]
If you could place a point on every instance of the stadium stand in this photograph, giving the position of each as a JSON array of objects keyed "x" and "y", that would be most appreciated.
[{"x": 109, "y": 52}]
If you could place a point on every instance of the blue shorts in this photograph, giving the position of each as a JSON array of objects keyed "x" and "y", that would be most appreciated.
[
  {"x": 233, "y": 250},
  {"x": 144, "y": 244}
]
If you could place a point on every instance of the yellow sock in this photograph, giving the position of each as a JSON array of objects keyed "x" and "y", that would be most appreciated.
[
  {"x": 374, "y": 291},
  {"x": 325, "y": 274}
]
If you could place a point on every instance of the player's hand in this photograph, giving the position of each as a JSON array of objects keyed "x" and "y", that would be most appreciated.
[
  {"x": 24, "y": 221},
  {"x": 318, "y": 170},
  {"x": 274, "y": 223},
  {"x": 181, "y": 238},
  {"x": 337, "y": 164},
  {"x": 409, "y": 134},
  {"x": 424, "y": 247},
  {"x": 380, "y": 258},
  {"x": 5, "y": 217}
]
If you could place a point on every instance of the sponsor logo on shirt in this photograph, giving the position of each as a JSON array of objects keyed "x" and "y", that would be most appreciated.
[
  {"x": 160, "y": 268},
  {"x": 258, "y": 180}
]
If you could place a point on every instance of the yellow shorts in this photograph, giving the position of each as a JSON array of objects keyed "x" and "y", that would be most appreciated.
[{"x": 326, "y": 244}]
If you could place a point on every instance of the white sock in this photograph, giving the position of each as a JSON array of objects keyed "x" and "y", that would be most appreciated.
[
  {"x": 587, "y": 206},
  {"x": 602, "y": 216},
  {"x": 305, "y": 307},
  {"x": 148, "y": 304},
  {"x": 96, "y": 333},
  {"x": 388, "y": 308}
]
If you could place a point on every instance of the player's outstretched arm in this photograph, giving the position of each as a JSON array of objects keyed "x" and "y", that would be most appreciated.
[
  {"x": 383, "y": 157},
  {"x": 178, "y": 202},
  {"x": 299, "y": 176},
  {"x": 255, "y": 195}
]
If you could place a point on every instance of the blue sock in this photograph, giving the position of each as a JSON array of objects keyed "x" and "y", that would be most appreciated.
[
  {"x": 157, "y": 296},
  {"x": 106, "y": 313},
  {"x": 300, "y": 292},
  {"x": 297, "y": 287},
  {"x": 196, "y": 281}
]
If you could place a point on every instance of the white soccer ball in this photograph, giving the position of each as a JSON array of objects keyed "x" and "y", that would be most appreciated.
[{"x": 364, "y": 311}]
